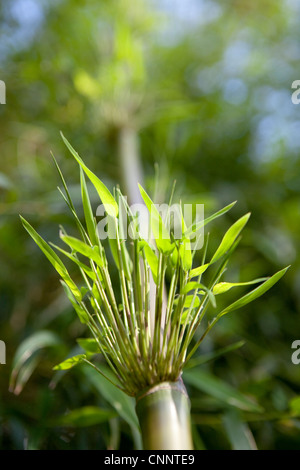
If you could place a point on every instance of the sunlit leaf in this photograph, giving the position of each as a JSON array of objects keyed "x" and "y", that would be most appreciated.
[
  {"x": 222, "y": 287},
  {"x": 88, "y": 213},
  {"x": 152, "y": 260},
  {"x": 80, "y": 247},
  {"x": 198, "y": 271},
  {"x": 82, "y": 315},
  {"x": 230, "y": 237},
  {"x": 89, "y": 345},
  {"x": 159, "y": 230},
  {"x": 190, "y": 232},
  {"x": 53, "y": 258},
  {"x": 81, "y": 265},
  {"x": 70, "y": 362},
  {"x": 254, "y": 294}
]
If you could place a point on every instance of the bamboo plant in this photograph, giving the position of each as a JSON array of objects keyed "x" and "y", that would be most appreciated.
[{"x": 147, "y": 349}]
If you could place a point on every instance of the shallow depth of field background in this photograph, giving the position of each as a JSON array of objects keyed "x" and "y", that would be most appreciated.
[{"x": 205, "y": 87}]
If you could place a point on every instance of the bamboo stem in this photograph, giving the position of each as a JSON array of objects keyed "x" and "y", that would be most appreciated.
[{"x": 164, "y": 415}]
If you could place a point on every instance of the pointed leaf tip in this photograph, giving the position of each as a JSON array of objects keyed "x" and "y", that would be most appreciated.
[{"x": 105, "y": 195}]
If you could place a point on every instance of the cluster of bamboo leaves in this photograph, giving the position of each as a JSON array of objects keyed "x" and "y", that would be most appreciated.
[{"x": 142, "y": 345}]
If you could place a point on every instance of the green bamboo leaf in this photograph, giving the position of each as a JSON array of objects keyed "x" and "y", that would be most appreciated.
[
  {"x": 95, "y": 297},
  {"x": 192, "y": 285},
  {"x": 70, "y": 362},
  {"x": 83, "y": 417},
  {"x": 294, "y": 406},
  {"x": 89, "y": 345},
  {"x": 82, "y": 315},
  {"x": 222, "y": 287},
  {"x": 185, "y": 254},
  {"x": 126, "y": 260},
  {"x": 205, "y": 358},
  {"x": 80, "y": 247},
  {"x": 123, "y": 404},
  {"x": 190, "y": 232},
  {"x": 67, "y": 198},
  {"x": 88, "y": 213},
  {"x": 152, "y": 259},
  {"x": 159, "y": 230},
  {"x": 81, "y": 265},
  {"x": 27, "y": 356},
  {"x": 229, "y": 243},
  {"x": 106, "y": 197},
  {"x": 185, "y": 251},
  {"x": 230, "y": 237},
  {"x": 191, "y": 300},
  {"x": 195, "y": 286},
  {"x": 238, "y": 432},
  {"x": 53, "y": 258},
  {"x": 254, "y": 294},
  {"x": 198, "y": 271},
  {"x": 215, "y": 387}
]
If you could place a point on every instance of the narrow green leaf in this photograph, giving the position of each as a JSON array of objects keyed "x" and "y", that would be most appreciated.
[
  {"x": 123, "y": 404},
  {"x": 85, "y": 416},
  {"x": 53, "y": 258},
  {"x": 89, "y": 345},
  {"x": 230, "y": 237},
  {"x": 198, "y": 271},
  {"x": 190, "y": 286},
  {"x": 185, "y": 251},
  {"x": 67, "y": 198},
  {"x": 87, "y": 208},
  {"x": 81, "y": 265},
  {"x": 222, "y": 287},
  {"x": 95, "y": 297},
  {"x": 106, "y": 197},
  {"x": 113, "y": 244},
  {"x": 238, "y": 432},
  {"x": 191, "y": 300},
  {"x": 186, "y": 254},
  {"x": 190, "y": 232},
  {"x": 159, "y": 230},
  {"x": 80, "y": 247},
  {"x": 220, "y": 390},
  {"x": 254, "y": 294},
  {"x": 294, "y": 405},
  {"x": 204, "y": 358},
  {"x": 151, "y": 260},
  {"x": 27, "y": 357},
  {"x": 82, "y": 315},
  {"x": 70, "y": 362}
]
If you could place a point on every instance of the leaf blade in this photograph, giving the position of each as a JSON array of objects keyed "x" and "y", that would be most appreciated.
[
  {"x": 105, "y": 195},
  {"x": 255, "y": 293},
  {"x": 159, "y": 230}
]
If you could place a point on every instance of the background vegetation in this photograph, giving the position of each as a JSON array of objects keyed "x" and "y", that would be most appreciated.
[{"x": 201, "y": 90}]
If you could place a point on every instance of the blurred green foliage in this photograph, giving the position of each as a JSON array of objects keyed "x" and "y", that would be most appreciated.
[{"x": 205, "y": 86}]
